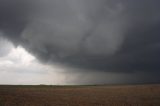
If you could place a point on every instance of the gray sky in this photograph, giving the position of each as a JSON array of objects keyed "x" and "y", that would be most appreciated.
[{"x": 79, "y": 41}]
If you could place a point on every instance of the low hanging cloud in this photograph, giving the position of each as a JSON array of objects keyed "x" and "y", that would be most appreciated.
[
  {"x": 4, "y": 47},
  {"x": 99, "y": 35}
]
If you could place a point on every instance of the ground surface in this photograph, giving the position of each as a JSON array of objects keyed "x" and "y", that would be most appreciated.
[{"x": 136, "y": 95}]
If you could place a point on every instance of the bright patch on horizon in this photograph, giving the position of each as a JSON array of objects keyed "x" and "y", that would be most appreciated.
[
  {"x": 20, "y": 55},
  {"x": 18, "y": 66}
]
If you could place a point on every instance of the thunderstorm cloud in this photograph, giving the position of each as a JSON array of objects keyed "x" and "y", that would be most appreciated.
[{"x": 87, "y": 36}]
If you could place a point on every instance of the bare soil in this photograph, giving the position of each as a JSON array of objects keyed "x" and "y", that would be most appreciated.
[{"x": 128, "y": 95}]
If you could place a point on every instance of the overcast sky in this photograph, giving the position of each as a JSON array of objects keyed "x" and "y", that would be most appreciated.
[{"x": 79, "y": 41}]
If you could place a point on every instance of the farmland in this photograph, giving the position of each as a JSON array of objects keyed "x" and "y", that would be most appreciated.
[{"x": 122, "y": 95}]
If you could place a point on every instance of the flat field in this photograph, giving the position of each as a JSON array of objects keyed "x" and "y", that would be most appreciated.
[{"x": 126, "y": 95}]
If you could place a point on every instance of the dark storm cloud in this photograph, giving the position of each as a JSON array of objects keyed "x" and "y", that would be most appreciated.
[
  {"x": 14, "y": 16},
  {"x": 107, "y": 35}
]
